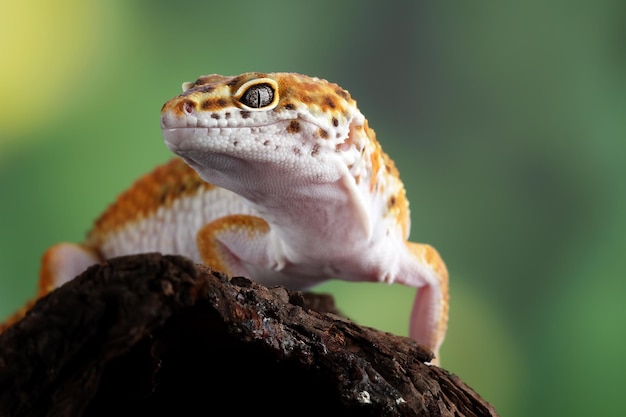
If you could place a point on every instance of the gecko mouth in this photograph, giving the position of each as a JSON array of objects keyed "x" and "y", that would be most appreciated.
[
  {"x": 181, "y": 138},
  {"x": 170, "y": 121},
  {"x": 223, "y": 125},
  {"x": 198, "y": 137}
]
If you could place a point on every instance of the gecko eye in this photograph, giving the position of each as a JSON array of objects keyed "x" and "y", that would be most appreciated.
[{"x": 258, "y": 94}]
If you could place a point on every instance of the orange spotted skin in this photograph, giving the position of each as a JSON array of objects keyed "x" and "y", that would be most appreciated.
[
  {"x": 281, "y": 179},
  {"x": 158, "y": 189},
  {"x": 219, "y": 92}
]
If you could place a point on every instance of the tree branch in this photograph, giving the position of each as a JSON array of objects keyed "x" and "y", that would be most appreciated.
[{"x": 158, "y": 335}]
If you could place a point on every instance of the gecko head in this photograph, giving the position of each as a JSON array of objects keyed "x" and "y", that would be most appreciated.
[{"x": 241, "y": 131}]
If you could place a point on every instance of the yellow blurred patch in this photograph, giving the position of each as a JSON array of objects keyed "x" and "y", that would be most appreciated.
[{"x": 47, "y": 49}]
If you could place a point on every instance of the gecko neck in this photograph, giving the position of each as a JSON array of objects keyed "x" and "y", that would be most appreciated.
[
  {"x": 319, "y": 215},
  {"x": 303, "y": 212}
]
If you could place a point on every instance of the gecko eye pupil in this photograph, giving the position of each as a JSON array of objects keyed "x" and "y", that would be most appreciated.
[{"x": 258, "y": 95}]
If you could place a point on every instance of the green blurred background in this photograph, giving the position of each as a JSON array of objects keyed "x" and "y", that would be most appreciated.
[{"x": 507, "y": 122}]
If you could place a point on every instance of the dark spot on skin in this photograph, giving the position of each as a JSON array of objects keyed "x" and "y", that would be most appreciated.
[
  {"x": 306, "y": 99},
  {"x": 206, "y": 104},
  {"x": 329, "y": 102},
  {"x": 267, "y": 142},
  {"x": 244, "y": 114},
  {"x": 221, "y": 102},
  {"x": 235, "y": 143},
  {"x": 387, "y": 168},
  {"x": 290, "y": 106},
  {"x": 322, "y": 133},
  {"x": 195, "y": 88},
  {"x": 316, "y": 150},
  {"x": 391, "y": 202},
  {"x": 234, "y": 81},
  {"x": 335, "y": 122},
  {"x": 215, "y": 116},
  {"x": 293, "y": 127},
  {"x": 297, "y": 151},
  {"x": 227, "y": 115},
  {"x": 342, "y": 93},
  {"x": 338, "y": 135}
]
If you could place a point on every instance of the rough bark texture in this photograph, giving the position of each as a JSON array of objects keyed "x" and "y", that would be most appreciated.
[{"x": 157, "y": 335}]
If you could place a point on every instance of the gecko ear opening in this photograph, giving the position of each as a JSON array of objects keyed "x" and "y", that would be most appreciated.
[{"x": 187, "y": 85}]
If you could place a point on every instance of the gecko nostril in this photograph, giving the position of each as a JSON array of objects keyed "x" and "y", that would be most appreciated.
[{"x": 189, "y": 106}]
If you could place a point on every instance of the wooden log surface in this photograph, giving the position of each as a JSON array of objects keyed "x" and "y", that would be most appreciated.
[{"x": 157, "y": 335}]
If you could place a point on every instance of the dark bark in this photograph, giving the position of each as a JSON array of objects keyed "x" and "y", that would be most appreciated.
[{"x": 157, "y": 335}]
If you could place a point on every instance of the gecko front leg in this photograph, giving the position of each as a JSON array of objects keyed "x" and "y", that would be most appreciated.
[
  {"x": 429, "y": 317},
  {"x": 232, "y": 243}
]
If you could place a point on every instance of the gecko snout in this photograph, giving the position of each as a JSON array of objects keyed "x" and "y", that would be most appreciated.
[
  {"x": 180, "y": 106},
  {"x": 179, "y": 112}
]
